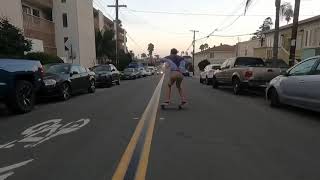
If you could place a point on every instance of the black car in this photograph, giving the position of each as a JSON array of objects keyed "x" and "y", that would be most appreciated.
[
  {"x": 106, "y": 75},
  {"x": 63, "y": 80},
  {"x": 20, "y": 80}
]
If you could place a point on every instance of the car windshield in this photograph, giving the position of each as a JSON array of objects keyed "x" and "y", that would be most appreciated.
[
  {"x": 128, "y": 70},
  {"x": 101, "y": 68},
  {"x": 57, "y": 69},
  {"x": 250, "y": 62},
  {"x": 216, "y": 67}
]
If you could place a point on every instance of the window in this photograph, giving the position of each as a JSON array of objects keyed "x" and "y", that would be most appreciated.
[
  {"x": 63, "y": 1},
  {"x": 212, "y": 55},
  {"x": 304, "y": 68},
  {"x": 26, "y": 9},
  {"x": 224, "y": 64},
  {"x": 65, "y": 40},
  {"x": 36, "y": 12},
  {"x": 318, "y": 69},
  {"x": 306, "y": 42},
  {"x": 75, "y": 69},
  {"x": 65, "y": 20},
  {"x": 250, "y": 62},
  {"x": 82, "y": 69}
]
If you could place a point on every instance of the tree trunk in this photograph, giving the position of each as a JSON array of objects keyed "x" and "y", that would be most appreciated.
[
  {"x": 276, "y": 31},
  {"x": 294, "y": 32}
]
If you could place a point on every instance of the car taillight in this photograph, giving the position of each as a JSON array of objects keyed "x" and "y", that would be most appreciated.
[{"x": 248, "y": 74}]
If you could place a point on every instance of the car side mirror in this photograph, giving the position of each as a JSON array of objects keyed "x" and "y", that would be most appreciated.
[{"x": 285, "y": 73}]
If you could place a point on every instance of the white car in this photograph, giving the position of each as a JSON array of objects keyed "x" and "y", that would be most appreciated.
[
  {"x": 152, "y": 69},
  {"x": 207, "y": 75},
  {"x": 148, "y": 72}
]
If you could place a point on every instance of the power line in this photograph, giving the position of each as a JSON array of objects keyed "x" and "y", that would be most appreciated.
[{"x": 102, "y": 8}]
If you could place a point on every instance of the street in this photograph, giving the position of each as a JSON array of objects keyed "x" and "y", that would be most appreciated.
[{"x": 216, "y": 136}]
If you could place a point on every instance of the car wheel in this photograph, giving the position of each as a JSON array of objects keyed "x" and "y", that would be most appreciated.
[
  {"x": 92, "y": 87},
  {"x": 215, "y": 84},
  {"x": 236, "y": 84},
  {"x": 118, "y": 82},
  {"x": 207, "y": 81},
  {"x": 22, "y": 99},
  {"x": 274, "y": 98},
  {"x": 65, "y": 91}
]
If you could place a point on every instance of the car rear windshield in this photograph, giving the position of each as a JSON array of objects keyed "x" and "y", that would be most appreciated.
[
  {"x": 57, "y": 69},
  {"x": 250, "y": 62},
  {"x": 101, "y": 68},
  {"x": 215, "y": 67}
]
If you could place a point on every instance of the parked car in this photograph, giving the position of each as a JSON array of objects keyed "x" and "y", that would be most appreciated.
[
  {"x": 149, "y": 72},
  {"x": 244, "y": 72},
  {"x": 20, "y": 80},
  {"x": 142, "y": 71},
  {"x": 106, "y": 75},
  {"x": 139, "y": 73},
  {"x": 130, "y": 73},
  {"x": 299, "y": 86},
  {"x": 152, "y": 69},
  {"x": 63, "y": 80},
  {"x": 207, "y": 75}
]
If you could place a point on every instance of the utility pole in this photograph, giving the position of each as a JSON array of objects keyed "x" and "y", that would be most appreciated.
[
  {"x": 117, "y": 6},
  {"x": 194, "y": 47}
]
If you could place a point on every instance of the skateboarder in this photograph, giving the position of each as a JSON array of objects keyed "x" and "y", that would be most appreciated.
[{"x": 177, "y": 66}]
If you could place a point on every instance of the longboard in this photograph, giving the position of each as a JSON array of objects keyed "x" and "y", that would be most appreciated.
[{"x": 164, "y": 106}]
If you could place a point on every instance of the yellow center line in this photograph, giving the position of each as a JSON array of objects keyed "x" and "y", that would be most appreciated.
[{"x": 123, "y": 165}]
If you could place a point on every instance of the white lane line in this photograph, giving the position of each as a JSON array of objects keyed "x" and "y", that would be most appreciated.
[{"x": 8, "y": 170}]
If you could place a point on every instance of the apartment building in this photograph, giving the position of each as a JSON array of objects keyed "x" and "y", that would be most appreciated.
[
  {"x": 61, "y": 27},
  {"x": 102, "y": 23},
  {"x": 215, "y": 55}
]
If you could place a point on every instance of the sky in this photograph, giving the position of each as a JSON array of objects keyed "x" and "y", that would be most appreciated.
[{"x": 168, "y": 31}]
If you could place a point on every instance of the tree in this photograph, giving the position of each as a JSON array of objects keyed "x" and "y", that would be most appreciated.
[
  {"x": 150, "y": 49},
  {"x": 143, "y": 55},
  {"x": 203, "y": 64},
  {"x": 201, "y": 47},
  {"x": 286, "y": 11},
  {"x": 12, "y": 41},
  {"x": 266, "y": 26},
  {"x": 105, "y": 45},
  {"x": 294, "y": 32},
  {"x": 206, "y": 46}
]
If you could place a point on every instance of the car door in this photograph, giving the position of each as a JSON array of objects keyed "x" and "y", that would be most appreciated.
[
  {"x": 75, "y": 78},
  {"x": 294, "y": 86},
  {"x": 220, "y": 74},
  {"x": 229, "y": 71},
  {"x": 312, "y": 88},
  {"x": 85, "y": 78}
]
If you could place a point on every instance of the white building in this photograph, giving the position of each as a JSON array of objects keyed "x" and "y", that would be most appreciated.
[{"x": 51, "y": 23}]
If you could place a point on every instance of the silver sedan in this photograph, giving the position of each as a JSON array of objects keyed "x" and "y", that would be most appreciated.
[{"x": 299, "y": 86}]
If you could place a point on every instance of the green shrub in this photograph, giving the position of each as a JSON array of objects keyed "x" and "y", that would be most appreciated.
[{"x": 44, "y": 58}]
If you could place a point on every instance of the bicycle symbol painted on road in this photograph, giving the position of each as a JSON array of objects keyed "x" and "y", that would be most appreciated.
[{"x": 45, "y": 131}]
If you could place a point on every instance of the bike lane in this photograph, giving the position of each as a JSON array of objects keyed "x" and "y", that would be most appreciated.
[{"x": 79, "y": 139}]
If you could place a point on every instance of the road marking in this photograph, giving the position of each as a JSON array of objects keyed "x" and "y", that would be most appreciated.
[
  {"x": 146, "y": 123},
  {"x": 8, "y": 170},
  {"x": 45, "y": 131}
]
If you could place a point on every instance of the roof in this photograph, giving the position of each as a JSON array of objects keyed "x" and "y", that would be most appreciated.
[
  {"x": 223, "y": 47},
  {"x": 305, "y": 21}
]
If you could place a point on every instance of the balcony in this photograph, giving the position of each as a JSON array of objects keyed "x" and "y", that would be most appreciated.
[
  {"x": 38, "y": 28},
  {"x": 40, "y": 3}
]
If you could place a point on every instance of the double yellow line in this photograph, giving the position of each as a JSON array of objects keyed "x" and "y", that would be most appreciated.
[{"x": 149, "y": 116}]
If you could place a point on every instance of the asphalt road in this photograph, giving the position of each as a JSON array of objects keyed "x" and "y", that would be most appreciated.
[{"x": 216, "y": 136}]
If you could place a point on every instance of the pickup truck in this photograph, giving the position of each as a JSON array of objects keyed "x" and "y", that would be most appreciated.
[
  {"x": 19, "y": 82},
  {"x": 244, "y": 72}
]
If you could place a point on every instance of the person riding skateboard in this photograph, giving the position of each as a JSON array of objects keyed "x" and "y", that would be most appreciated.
[{"x": 177, "y": 66}]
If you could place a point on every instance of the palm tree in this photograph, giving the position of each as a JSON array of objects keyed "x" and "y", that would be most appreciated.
[
  {"x": 201, "y": 47},
  {"x": 206, "y": 46},
  {"x": 286, "y": 11},
  {"x": 294, "y": 32},
  {"x": 150, "y": 49}
]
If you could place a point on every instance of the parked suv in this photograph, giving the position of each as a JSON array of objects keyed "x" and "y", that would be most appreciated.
[
  {"x": 207, "y": 75},
  {"x": 20, "y": 80},
  {"x": 244, "y": 72}
]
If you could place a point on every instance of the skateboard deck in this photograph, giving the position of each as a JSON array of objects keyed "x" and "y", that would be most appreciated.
[{"x": 164, "y": 106}]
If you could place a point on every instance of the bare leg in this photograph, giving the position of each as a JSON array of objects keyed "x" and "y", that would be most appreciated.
[
  {"x": 168, "y": 94},
  {"x": 181, "y": 93}
]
